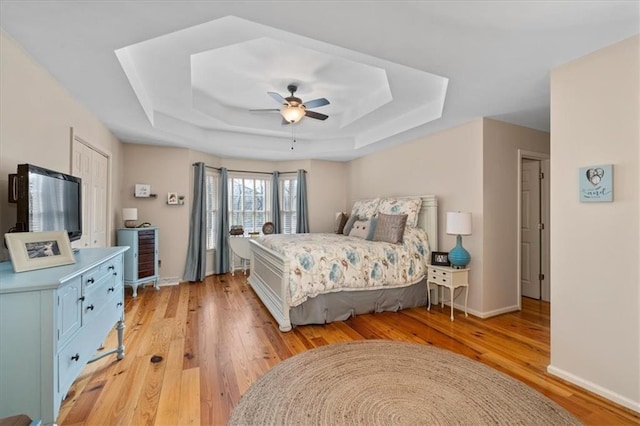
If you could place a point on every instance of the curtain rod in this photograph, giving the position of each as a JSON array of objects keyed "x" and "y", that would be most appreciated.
[{"x": 247, "y": 171}]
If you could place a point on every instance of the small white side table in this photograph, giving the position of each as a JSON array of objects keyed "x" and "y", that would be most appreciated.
[
  {"x": 239, "y": 246},
  {"x": 451, "y": 278}
]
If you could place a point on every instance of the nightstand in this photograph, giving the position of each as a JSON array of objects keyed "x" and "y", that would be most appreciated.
[{"x": 450, "y": 278}]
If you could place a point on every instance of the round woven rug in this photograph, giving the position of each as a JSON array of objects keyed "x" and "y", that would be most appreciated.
[{"x": 379, "y": 382}]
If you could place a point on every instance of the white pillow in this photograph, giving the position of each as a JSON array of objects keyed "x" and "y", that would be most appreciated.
[
  {"x": 362, "y": 229},
  {"x": 365, "y": 209},
  {"x": 408, "y": 206}
]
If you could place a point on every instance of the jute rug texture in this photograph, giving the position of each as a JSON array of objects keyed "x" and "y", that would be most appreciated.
[{"x": 379, "y": 382}]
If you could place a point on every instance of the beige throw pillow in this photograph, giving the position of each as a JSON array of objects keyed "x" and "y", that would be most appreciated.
[{"x": 390, "y": 228}]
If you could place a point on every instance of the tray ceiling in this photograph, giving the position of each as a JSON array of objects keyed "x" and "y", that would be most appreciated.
[{"x": 187, "y": 73}]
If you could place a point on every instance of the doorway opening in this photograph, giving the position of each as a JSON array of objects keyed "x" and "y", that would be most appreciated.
[{"x": 533, "y": 227}]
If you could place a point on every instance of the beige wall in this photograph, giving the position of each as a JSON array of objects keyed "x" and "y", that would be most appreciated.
[
  {"x": 474, "y": 168},
  {"x": 327, "y": 193},
  {"x": 500, "y": 210},
  {"x": 36, "y": 117},
  {"x": 166, "y": 170},
  {"x": 170, "y": 170},
  {"x": 447, "y": 164},
  {"x": 595, "y": 300}
]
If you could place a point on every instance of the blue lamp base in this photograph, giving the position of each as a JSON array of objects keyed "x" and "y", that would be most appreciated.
[{"x": 458, "y": 256}]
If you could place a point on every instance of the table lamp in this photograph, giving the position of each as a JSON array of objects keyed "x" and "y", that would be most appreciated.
[
  {"x": 130, "y": 215},
  {"x": 459, "y": 224}
]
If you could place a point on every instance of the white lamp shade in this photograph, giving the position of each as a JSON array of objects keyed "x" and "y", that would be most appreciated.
[
  {"x": 458, "y": 223},
  {"x": 130, "y": 214}
]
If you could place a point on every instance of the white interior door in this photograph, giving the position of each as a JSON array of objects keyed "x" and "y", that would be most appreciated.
[
  {"x": 99, "y": 200},
  {"x": 81, "y": 167},
  {"x": 545, "y": 208},
  {"x": 530, "y": 232},
  {"x": 92, "y": 167}
]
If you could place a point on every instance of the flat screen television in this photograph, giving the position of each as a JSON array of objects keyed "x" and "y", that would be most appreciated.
[{"x": 48, "y": 201}]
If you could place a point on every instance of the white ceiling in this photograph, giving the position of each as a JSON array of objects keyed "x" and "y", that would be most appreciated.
[{"x": 183, "y": 73}]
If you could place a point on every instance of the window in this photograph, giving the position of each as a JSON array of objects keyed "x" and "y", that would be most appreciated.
[
  {"x": 288, "y": 201},
  {"x": 211, "y": 195},
  {"x": 248, "y": 202}
]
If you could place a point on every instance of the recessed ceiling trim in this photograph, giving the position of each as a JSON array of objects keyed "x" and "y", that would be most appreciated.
[
  {"x": 210, "y": 77},
  {"x": 126, "y": 61}
]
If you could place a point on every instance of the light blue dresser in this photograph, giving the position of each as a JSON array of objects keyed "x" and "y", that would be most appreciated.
[{"x": 52, "y": 322}]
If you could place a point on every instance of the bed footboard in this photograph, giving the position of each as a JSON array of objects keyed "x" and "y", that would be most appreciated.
[{"x": 269, "y": 279}]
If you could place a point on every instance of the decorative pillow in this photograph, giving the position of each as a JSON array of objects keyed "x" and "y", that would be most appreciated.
[
  {"x": 347, "y": 226},
  {"x": 408, "y": 206},
  {"x": 390, "y": 228},
  {"x": 341, "y": 220},
  {"x": 362, "y": 229},
  {"x": 365, "y": 209}
]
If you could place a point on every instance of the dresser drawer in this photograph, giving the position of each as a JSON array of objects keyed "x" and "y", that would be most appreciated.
[
  {"x": 146, "y": 237},
  {"x": 147, "y": 269},
  {"x": 146, "y": 257},
  {"x": 439, "y": 273},
  {"x": 106, "y": 318},
  {"x": 99, "y": 274},
  {"x": 440, "y": 279},
  {"x": 71, "y": 359},
  {"x": 96, "y": 297}
]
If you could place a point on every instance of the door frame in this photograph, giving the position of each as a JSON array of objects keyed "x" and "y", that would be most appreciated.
[{"x": 531, "y": 155}]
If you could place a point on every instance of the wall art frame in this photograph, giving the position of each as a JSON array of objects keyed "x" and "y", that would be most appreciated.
[{"x": 596, "y": 183}]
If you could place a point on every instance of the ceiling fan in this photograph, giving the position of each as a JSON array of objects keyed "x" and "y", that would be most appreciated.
[{"x": 293, "y": 109}]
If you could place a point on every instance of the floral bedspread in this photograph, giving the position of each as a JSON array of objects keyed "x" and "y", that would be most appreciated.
[{"x": 327, "y": 263}]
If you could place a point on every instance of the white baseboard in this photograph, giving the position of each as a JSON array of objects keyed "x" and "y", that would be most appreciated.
[
  {"x": 495, "y": 312},
  {"x": 484, "y": 315},
  {"x": 167, "y": 281},
  {"x": 606, "y": 393}
]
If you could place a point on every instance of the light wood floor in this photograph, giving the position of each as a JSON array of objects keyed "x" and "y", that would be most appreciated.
[{"x": 215, "y": 338}]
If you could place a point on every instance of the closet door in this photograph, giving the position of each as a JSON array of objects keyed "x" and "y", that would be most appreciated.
[
  {"x": 92, "y": 167},
  {"x": 99, "y": 176}
]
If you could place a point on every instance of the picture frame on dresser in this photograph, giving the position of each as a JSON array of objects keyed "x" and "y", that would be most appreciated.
[
  {"x": 37, "y": 250},
  {"x": 440, "y": 258}
]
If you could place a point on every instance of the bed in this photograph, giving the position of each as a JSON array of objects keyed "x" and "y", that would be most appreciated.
[{"x": 275, "y": 269}]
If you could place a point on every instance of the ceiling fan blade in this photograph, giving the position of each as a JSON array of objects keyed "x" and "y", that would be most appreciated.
[
  {"x": 316, "y": 103},
  {"x": 265, "y": 110},
  {"x": 278, "y": 98},
  {"x": 316, "y": 115}
]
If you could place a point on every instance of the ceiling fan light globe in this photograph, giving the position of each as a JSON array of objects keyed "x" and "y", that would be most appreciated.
[{"x": 292, "y": 114}]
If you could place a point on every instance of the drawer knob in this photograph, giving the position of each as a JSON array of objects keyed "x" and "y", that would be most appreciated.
[
  {"x": 110, "y": 289},
  {"x": 115, "y": 274},
  {"x": 81, "y": 298},
  {"x": 76, "y": 357},
  {"x": 112, "y": 267},
  {"x": 90, "y": 308},
  {"x": 119, "y": 304},
  {"x": 91, "y": 280}
]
